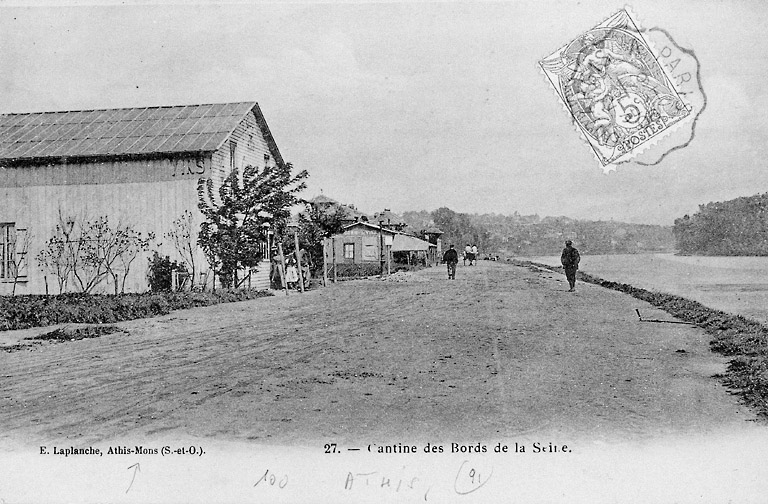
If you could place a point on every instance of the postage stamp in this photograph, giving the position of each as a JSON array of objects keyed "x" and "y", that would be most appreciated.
[
  {"x": 683, "y": 68},
  {"x": 614, "y": 87}
]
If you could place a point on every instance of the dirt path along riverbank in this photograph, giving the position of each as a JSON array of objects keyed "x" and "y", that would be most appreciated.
[{"x": 502, "y": 351}]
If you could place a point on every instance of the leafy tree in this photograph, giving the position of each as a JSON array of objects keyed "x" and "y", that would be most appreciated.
[
  {"x": 160, "y": 275},
  {"x": 315, "y": 224},
  {"x": 233, "y": 231},
  {"x": 459, "y": 230},
  {"x": 734, "y": 227}
]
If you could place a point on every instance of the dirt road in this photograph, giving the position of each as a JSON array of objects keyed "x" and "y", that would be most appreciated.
[{"x": 500, "y": 352}]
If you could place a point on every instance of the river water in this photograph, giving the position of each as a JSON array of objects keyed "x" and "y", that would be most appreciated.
[{"x": 737, "y": 285}]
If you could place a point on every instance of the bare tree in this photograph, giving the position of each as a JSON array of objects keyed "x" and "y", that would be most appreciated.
[
  {"x": 184, "y": 238},
  {"x": 19, "y": 262},
  {"x": 89, "y": 251},
  {"x": 104, "y": 248},
  {"x": 136, "y": 244},
  {"x": 60, "y": 254}
]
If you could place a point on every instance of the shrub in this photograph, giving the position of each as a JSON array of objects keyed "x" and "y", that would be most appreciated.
[
  {"x": 22, "y": 312},
  {"x": 358, "y": 270},
  {"x": 160, "y": 272}
]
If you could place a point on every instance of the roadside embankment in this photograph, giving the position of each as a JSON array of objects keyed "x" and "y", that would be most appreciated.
[{"x": 734, "y": 336}]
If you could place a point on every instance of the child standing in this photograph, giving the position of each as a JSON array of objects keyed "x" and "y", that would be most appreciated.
[{"x": 291, "y": 274}]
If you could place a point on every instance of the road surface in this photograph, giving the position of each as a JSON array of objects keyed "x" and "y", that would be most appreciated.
[{"x": 500, "y": 352}]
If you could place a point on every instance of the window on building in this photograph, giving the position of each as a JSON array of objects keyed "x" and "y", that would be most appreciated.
[
  {"x": 232, "y": 154},
  {"x": 7, "y": 251},
  {"x": 266, "y": 159},
  {"x": 349, "y": 251}
]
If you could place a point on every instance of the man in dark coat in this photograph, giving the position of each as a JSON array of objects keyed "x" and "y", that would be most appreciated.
[
  {"x": 570, "y": 260},
  {"x": 451, "y": 258}
]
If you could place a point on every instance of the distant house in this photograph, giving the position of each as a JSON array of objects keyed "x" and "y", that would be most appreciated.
[
  {"x": 349, "y": 214},
  {"x": 138, "y": 166},
  {"x": 362, "y": 242},
  {"x": 389, "y": 220},
  {"x": 433, "y": 235},
  {"x": 322, "y": 201},
  {"x": 352, "y": 215}
]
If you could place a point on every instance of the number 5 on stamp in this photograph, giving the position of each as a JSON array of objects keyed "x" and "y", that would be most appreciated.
[{"x": 615, "y": 89}]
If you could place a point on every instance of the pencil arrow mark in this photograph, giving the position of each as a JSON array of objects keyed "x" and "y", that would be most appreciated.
[{"x": 136, "y": 468}]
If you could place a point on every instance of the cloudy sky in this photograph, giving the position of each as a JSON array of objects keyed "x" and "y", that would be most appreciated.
[{"x": 405, "y": 105}]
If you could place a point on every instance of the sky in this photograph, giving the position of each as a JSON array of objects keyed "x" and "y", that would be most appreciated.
[{"x": 406, "y": 105}]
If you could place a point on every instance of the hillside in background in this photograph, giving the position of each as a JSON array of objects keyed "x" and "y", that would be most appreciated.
[
  {"x": 528, "y": 235},
  {"x": 733, "y": 227}
]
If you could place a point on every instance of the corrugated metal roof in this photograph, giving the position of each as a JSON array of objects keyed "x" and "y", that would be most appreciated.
[{"x": 119, "y": 132}]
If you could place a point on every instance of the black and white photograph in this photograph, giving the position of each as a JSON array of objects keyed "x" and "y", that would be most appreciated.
[{"x": 395, "y": 251}]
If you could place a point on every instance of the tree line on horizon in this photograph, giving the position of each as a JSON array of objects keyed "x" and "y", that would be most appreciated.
[
  {"x": 531, "y": 235},
  {"x": 734, "y": 227}
]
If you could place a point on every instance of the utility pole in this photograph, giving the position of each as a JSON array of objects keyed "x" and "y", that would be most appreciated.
[
  {"x": 281, "y": 267},
  {"x": 325, "y": 262},
  {"x": 381, "y": 247},
  {"x": 299, "y": 258},
  {"x": 333, "y": 252}
]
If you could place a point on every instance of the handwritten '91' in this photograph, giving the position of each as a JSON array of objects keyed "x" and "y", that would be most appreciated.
[{"x": 468, "y": 479}]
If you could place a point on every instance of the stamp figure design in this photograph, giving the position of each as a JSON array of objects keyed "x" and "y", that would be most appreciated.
[{"x": 615, "y": 89}]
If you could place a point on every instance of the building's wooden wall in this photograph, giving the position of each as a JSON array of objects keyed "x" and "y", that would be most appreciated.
[
  {"x": 251, "y": 150},
  {"x": 148, "y": 194},
  {"x": 367, "y": 247},
  {"x": 147, "y": 206},
  {"x": 106, "y": 172}
]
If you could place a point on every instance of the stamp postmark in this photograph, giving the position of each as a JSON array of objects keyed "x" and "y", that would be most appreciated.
[{"x": 615, "y": 89}]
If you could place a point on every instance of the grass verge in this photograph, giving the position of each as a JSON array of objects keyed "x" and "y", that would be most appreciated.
[
  {"x": 23, "y": 312},
  {"x": 744, "y": 339}
]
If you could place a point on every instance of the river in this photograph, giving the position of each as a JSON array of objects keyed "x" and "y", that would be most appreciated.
[{"x": 737, "y": 285}]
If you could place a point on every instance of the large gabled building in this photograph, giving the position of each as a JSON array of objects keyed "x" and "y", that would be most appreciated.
[{"x": 138, "y": 166}]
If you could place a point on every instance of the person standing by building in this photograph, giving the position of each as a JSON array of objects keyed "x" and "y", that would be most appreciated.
[
  {"x": 451, "y": 258},
  {"x": 292, "y": 274},
  {"x": 305, "y": 264},
  {"x": 570, "y": 260},
  {"x": 275, "y": 273}
]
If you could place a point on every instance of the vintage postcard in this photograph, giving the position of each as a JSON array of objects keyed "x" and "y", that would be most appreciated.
[{"x": 350, "y": 251}]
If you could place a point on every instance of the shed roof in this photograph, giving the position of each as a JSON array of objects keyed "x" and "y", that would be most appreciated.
[
  {"x": 404, "y": 242},
  {"x": 367, "y": 226},
  {"x": 124, "y": 132}
]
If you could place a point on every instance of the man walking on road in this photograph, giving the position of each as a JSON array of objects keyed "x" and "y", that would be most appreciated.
[
  {"x": 451, "y": 258},
  {"x": 570, "y": 260}
]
